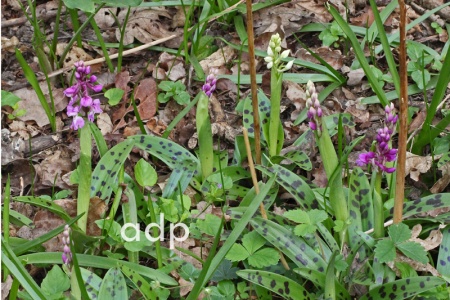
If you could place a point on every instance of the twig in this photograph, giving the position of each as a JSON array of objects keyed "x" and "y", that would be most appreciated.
[
  {"x": 255, "y": 184},
  {"x": 403, "y": 129},
  {"x": 251, "y": 54},
  {"x": 113, "y": 56}
]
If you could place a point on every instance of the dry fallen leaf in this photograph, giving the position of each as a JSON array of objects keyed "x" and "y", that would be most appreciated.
[
  {"x": 143, "y": 24},
  {"x": 104, "y": 123},
  {"x": 34, "y": 110},
  {"x": 104, "y": 18},
  {"x": 333, "y": 57},
  {"x": 6, "y": 287},
  {"x": 218, "y": 59},
  {"x": 146, "y": 94},
  {"x": 416, "y": 165},
  {"x": 52, "y": 168},
  {"x": 444, "y": 181}
]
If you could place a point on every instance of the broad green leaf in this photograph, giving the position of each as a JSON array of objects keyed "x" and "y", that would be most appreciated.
[
  {"x": 140, "y": 282},
  {"x": 86, "y": 6},
  {"x": 104, "y": 176},
  {"x": 304, "y": 229},
  {"x": 424, "y": 204},
  {"x": 225, "y": 271},
  {"x": 298, "y": 216},
  {"x": 98, "y": 262},
  {"x": 9, "y": 99},
  {"x": 281, "y": 285},
  {"x": 119, "y": 3},
  {"x": 414, "y": 251},
  {"x": 145, "y": 174},
  {"x": 210, "y": 225},
  {"x": 92, "y": 282},
  {"x": 113, "y": 286},
  {"x": 252, "y": 241},
  {"x": 264, "y": 257},
  {"x": 114, "y": 96},
  {"x": 399, "y": 233},
  {"x": 292, "y": 246},
  {"x": 56, "y": 282},
  {"x": 396, "y": 290},
  {"x": 237, "y": 253},
  {"x": 385, "y": 251},
  {"x": 295, "y": 185},
  {"x": 443, "y": 262}
]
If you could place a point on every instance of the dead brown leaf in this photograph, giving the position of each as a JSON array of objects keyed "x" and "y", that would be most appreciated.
[
  {"x": 121, "y": 82},
  {"x": 333, "y": 57},
  {"x": 104, "y": 123},
  {"x": 444, "y": 181},
  {"x": 146, "y": 94},
  {"x": 34, "y": 110},
  {"x": 143, "y": 24},
  {"x": 416, "y": 165},
  {"x": 52, "y": 168},
  {"x": 104, "y": 17},
  {"x": 218, "y": 59},
  {"x": 6, "y": 287}
]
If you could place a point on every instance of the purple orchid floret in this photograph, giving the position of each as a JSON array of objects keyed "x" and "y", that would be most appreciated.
[
  {"x": 210, "y": 85},
  {"x": 67, "y": 253},
  {"x": 314, "y": 113},
  {"x": 81, "y": 102},
  {"x": 383, "y": 153}
]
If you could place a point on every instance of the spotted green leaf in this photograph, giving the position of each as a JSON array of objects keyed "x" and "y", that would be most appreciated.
[
  {"x": 165, "y": 150},
  {"x": 319, "y": 279},
  {"x": 281, "y": 285},
  {"x": 92, "y": 283},
  {"x": 104, "y": 176},
  {"x": 403, "y": 288},
  {"x": 295, "y": 185},
  {"x": 444, "y": 159},
  {"x": 113, "y": 286},
  {"x": 292, "y": 246},
  {"x": 360, "y": 205},
  {"x": 425, "y": 204},
  {"x": 140, "y": 282},
  {"x": 264, "y": 115},
  {"x": 443, "y": 263},
  {"x": 299, "y": 158}
]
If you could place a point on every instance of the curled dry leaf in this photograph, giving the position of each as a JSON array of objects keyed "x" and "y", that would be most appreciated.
[
  {"x": 6, "y": 287},
  {"x": 31, "y": 104},
  {"x": 104, "y": 17},
  {"x": 144, "y": 25},
  {"x": 355, "y": 77},
  {"x": 121, "y": 82},
  {"x": 414, "y": 264},
  {"x": 146, "y": 94},
  {"x": 444, "y": 181},
  {"x": 218, "y": 59},
  {"x": 416, "y": 165},
  {"x": 9, "y": 44},
  {"x": 431, "y": 242},
  {"x": 52, "y": 168},
  {"x": 333, "y": 57},
  {"x": 104, "y": 123}
]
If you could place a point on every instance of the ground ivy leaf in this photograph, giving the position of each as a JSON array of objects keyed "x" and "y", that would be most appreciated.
[
  {"x": 385, "y": 251},
  {"x": 414, "y": 251},
  {"x": 297, "y": 216},
  {"x": 237, "y": 253},
  {"x": 210, "y": 225},
  {"x": 252, "y": 241},
  {"x": 56, "y": 282},
  {"x": 225, "y": 271},
  {"x": 304, "y": 229},
  {"x": 399, "y": 233},
  {"x": 264, "y": 258}
]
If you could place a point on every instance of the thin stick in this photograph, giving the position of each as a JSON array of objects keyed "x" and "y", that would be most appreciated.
[
  {"x": 403, "y": 129},
  {"x": 113, "y": 56},
  {"x": 251, "y": 54},
  {"x": 251, "y": 166}
]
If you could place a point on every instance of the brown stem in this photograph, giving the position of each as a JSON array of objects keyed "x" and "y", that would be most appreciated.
[
  {"x": 251, "y": 54},
  {"x": 403, "y": 129}
]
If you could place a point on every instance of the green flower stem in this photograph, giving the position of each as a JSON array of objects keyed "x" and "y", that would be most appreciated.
[
  {"x": 151, "y": 209},
  {"x": 378, "y": 206},
  {"x": 276, "y": 80},
  {"x": 84, "y": 172},
  {"x": 334, "y": 175},
  {"x": 205, "y": 140}
]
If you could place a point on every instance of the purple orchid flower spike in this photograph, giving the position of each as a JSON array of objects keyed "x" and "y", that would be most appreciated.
[
  {"x": 67, "y": 253},
  {"x": 383, "y": 153},
  {"x": 81, "y": 102},
  {"x": 314, "y": 113},
  {"x": 210, "y": 85}
]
